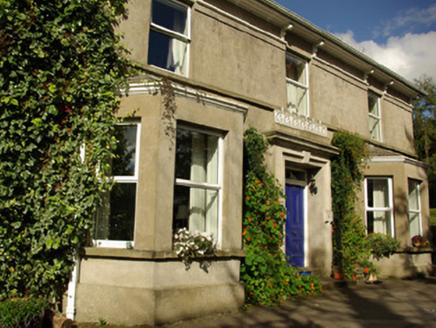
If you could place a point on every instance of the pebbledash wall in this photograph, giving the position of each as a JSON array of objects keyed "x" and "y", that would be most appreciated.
[{"x": 232, "y": 65}]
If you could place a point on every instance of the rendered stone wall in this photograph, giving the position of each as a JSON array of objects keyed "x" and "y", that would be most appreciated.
[{"x": 134, "y": 292}]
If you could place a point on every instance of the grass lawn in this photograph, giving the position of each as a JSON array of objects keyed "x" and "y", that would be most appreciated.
[{"x": 433, "y": 216}]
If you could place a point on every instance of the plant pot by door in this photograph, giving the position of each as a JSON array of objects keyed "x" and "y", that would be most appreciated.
[{"x": 339, "y": 275}]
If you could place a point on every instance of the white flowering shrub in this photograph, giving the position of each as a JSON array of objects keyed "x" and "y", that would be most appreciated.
[{"x": 190, "y": 245}]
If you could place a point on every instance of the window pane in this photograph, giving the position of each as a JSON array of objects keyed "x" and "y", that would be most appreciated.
[
  {"x": 413, "y": 195},
  {"x": 374, "y": 128},
  {"x": 378, "y": 193},
  {"x": 167, "y": 52},
  {"x": 170, "y": 16},
  {"x": 196, "y": 157},
  {"x": 196, "y": 209},
  {"x": 295, "y": 69},
  {"x": 125, "y": 154},
  {"x": 297, "y": 100},
  {"x": 379, "y": 222},
  {"x": 373, "y": 105},
  {"x": 116, "y": 219},
  {"x": 414, "y": 224}
]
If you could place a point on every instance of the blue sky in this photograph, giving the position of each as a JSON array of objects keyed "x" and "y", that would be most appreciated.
[{"x": 400, "y": 34}]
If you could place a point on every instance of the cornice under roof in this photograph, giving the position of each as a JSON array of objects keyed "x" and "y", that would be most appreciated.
[{"x": 282, "y": 17}]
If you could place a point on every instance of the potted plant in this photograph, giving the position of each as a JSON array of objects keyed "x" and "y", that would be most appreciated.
[
  {"x": 338, "y": 273},
  {"x": 419, "y": 241},
  {"x": 381, "y": 245},
  {"x": 190, "y": 245}
]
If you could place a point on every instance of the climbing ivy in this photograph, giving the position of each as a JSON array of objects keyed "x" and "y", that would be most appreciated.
[
  {"x": 60, "y": 67},
  {"x": 349, "y": 233},
  {"x": 268, "y": 278}
]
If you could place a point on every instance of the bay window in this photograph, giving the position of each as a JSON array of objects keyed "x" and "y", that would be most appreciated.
[
  {"x": 379, "y": 205},
  {"x": 297, "y": 85},
  {"x": 169, "y": 36},
  {"x": 115, "y": 221},
  {"x": 197, "y": 190},
  {"x": 415, "y": 224}
]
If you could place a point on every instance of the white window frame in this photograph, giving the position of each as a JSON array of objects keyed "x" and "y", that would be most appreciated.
[
  {"x": 173, "y": 34},
  {"x": 375, "y": 117},
  {"x": 209, "y": 186},
  {"x": 418, "y": 210},
  {"x": 298, "y": 84},
  {"x": 125, "y": 179},
  {"x": 390, "y": 208}
]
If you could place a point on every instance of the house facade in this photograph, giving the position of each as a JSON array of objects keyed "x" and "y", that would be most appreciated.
[{"x": 212, "y": 69}]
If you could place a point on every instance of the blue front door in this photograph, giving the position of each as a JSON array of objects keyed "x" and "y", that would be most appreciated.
[{"x": 295, "y": 225}]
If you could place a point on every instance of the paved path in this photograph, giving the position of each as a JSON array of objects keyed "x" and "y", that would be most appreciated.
[{"x": 394, "y": 303}]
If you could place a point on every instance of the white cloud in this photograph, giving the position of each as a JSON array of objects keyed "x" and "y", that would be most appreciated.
[
  {"x": 411, "y": 56},
  {"x": 410, "y": 19}
]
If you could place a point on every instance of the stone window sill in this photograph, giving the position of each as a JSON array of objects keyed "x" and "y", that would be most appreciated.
[
  {"x": 414, "y": 250},
  {"x": 151, "y": 255}
]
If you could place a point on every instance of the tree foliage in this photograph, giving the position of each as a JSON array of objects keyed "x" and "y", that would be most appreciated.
[
  {"x": 60, "y": 66},
  {"x": 268, "y": 278},
  {"x": 424, "y": 124}
]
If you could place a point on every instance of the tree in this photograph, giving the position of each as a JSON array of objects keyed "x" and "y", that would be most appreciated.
[
  {"x": 424, "y": 124},
  {"x": 60, "y": 68}
]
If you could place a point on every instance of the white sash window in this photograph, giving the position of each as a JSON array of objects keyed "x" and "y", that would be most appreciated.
[
  {"x": 197, "y": 190},
  {"x": 297, "y": 86},
  {"x": 374, "y": 117},
  {"x": 379, "y": 205},
  {"x": 115, "y": 221},
  {"x": 415, "y": 224},
  {"x": 169, "y": 36}
]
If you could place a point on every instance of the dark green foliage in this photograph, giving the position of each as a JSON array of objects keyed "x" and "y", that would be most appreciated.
[
  {"x": 424, "y": 125},
  {"x": 268, "y": 278},
  {"x": 22, "y": 312},
  {"x": 60, "y": 67}
]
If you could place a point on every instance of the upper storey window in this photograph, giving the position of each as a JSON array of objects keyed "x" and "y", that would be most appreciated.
[
  {"x": 374, "y": 117},
  {"x": 297, "y": 86},
  {"x": 169, "y": 36}
]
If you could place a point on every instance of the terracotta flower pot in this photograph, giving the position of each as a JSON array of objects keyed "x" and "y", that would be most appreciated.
[
  {"x": 339, "y": 275},
  {"x": 420, "y": 244}
]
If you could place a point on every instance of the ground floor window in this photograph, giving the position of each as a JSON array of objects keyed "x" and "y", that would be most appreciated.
[
  {"x": 197, "y": 189},
  {"x": 415, "y": 225},
  {"x": 379, "y": 205},
  {"x": 115, "y": 221}
]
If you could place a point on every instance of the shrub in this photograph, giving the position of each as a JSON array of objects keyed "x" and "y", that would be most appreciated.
[{"x": 22, "y": 312}]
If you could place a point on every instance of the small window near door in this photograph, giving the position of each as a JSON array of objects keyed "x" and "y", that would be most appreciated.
[
  {"x": 169, "y": 36},
  {"x": 415, "y": 224},
  {"x": 296, "y": 177}
]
